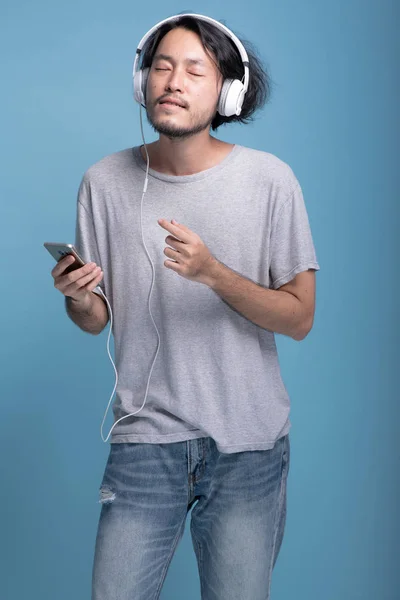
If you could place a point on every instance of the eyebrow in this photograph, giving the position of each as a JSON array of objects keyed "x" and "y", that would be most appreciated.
[{"x": 192, "y": 61}]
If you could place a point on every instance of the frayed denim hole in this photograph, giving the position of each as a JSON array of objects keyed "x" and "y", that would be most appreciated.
[{"x": 106, "y": 495}]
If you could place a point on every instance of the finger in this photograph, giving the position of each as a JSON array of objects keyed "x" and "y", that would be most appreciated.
[
  {"x": 62, "y": 265},
  {"x": 91, "y": 274},
  {"x": 81, "y": 271},
  {"x": 95, "y": 282},
  {"x": 93, "y": 277},
  {"x": 183, "y": 236},
  {"x": 72, "y": 277}
]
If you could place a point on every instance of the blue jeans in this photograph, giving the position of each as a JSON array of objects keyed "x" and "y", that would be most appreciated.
[{"x": 237, "y": 521}]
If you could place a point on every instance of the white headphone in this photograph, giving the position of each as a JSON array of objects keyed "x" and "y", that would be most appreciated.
[{"x": 233, "y": 90}]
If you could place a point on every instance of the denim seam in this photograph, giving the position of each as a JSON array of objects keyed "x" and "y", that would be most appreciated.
[{"x": 278, "y": 512}]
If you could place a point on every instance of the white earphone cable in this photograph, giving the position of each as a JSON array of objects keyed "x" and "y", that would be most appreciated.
[{"x": 110, "y": 311}]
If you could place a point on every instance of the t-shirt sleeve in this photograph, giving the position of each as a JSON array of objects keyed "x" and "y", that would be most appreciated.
[
  {"x": 292, "y": 249},
  {"x": 85, "y": 234}
]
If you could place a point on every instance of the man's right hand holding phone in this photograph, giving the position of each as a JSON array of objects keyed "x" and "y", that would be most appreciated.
[{"x": 79, "y": 283}]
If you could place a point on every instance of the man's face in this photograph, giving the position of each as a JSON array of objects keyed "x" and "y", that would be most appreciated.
[{"x": 196, "y": 85}]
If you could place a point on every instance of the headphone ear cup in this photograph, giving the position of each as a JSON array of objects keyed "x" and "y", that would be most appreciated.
[
  {"x": 137, "y": 88},
  {"x": 231, "y": 98},
  {"x": 222, "y": 96},
  {"x": 139, "y": 85},
  {"x": 145, "y": 77}
]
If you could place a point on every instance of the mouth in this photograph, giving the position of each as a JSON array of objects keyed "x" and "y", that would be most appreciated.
[{"x": 171, "y": 105}]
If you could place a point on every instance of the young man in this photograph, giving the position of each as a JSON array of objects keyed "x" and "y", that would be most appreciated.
[{"x": 227, "y": 230}]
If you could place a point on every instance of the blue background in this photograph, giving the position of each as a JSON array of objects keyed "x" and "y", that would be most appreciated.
[{"x": 66, "y": 102}]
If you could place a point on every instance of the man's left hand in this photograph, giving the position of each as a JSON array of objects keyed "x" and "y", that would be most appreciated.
[{"x": 193, "y": 259}]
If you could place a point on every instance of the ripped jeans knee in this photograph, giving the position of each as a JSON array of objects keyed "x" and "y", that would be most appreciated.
[{"x": 106, "y": 495}]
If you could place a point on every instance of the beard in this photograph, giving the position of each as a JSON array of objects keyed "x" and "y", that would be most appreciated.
[{"x": 175, "y": 131}]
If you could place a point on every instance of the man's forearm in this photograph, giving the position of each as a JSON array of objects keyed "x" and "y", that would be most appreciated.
[
  {"x": 277, "y": 311},
  {"x": 91, "y": 316}
]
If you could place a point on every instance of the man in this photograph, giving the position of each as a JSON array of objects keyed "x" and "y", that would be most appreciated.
[{"x": 239, "y": 266}]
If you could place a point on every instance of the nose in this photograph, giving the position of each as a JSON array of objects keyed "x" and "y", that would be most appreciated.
[{"x": 174, "y": 81}]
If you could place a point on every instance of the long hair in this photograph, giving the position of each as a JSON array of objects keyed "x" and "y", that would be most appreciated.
[{"x": 228, "y": 61}]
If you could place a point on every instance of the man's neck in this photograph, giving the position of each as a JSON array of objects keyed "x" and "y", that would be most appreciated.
[{"x": 185, "y": 157}]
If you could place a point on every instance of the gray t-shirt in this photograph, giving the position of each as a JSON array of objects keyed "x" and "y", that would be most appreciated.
[{"x": 216, "y": 374}]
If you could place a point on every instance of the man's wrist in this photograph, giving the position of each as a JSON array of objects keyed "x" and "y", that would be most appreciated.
[
  {"x": 84, "y": 302},
  {"x": 213, "y": 272}
]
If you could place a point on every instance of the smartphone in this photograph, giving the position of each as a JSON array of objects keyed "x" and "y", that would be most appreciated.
[{"x": 59, "y": 250}]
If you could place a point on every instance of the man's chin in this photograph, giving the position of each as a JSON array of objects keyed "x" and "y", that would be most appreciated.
[
  {"x": 176, "y": 135},
  {"x": 174, "y": 130},
  {"x": 171, "y": 131}
]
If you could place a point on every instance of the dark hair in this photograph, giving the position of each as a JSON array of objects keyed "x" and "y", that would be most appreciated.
[{"x": 229, "y": 63}]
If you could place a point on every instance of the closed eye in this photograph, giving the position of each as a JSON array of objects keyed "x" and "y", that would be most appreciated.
[{"x": 195, "y": 74}]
